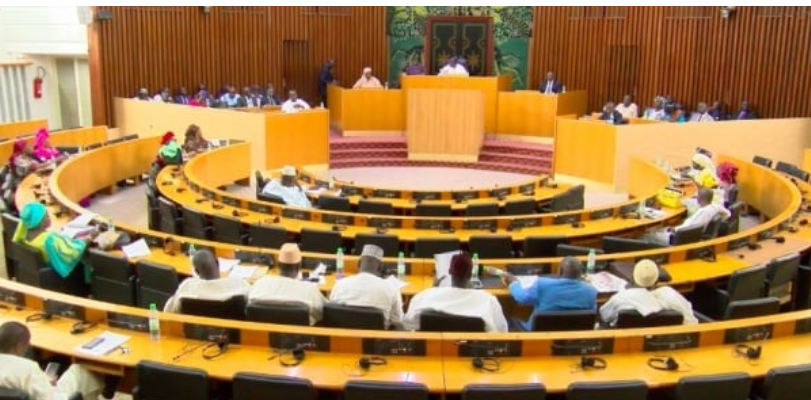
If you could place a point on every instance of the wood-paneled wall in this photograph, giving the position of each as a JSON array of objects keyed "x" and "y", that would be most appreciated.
[
  {"x": 156, "y": 47},
  {"x": 762, "y": 54}
]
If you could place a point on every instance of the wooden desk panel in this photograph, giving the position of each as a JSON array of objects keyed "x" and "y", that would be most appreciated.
[
  {"x": 71, "y": 137},
  {"x": 367, "y": 112},
  {"x": 300, "y": 138},
  {"x": 445, "y": 125},
  {"x": 585, "y": 149},
  {"x": 220, "y": 167},
  {"x": 13, "y": 130}
]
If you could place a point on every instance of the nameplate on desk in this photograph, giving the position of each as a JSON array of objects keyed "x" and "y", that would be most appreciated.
[
  {"x": 765, "y": 235},
  {"x": 466, "y": 195},
  {"x": 338, "y": 219},
  {"x": 576, "y": 347},
  {"x": 211, "y": 333},
  {"x": 802, "y": 326},
  {"x": 481, "y": 224},
  {"x": 629, "y": 208},
  {"x": 566, "y": 219},
  {"x": 386, "y": 194},
  {"x": 527, "y": 188},
  {"x": 351, "y": 191},
  {"x": 601, "y": 214},
  {"x": 66, "y": 310},
  {"x": 296, "y": 214},
  {"x": 674, "y": 341},
  {"x": 260, "y": 208},
  {"x": 288, "y": 341},
  {"x": 737, "y": 243},
  {"x": 431, "y": 224},
  {"x": 385, "y": 223},
  {"x": 500, "y": 192},
  {"x": 394, "y": 347},
  {"x": 525, "y": 222},
  {"x": 207, "y": 193},
  {"x": 426, "y": 196},
  {"x": 11, "y": 297},
  {"x": 230, "y": 201},
  {"x": 489, "y": 348},
  {"x": 748, "y": 333},
  {"x": 129, "y": 322}
]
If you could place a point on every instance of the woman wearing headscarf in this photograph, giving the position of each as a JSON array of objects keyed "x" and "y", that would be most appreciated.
[
  {"x": 43, "y": 150},
  {"x": 727, "y": 178},
  {"x": 170, "y": 152},
  {"x": 22, "y": 161},
  {"x": 705, "y": 175},
  {"x": 60, "y": 252},
  {"x": 194, "y": 142}
]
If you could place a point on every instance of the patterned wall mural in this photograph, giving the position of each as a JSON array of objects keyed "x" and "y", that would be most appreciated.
[{"x": 511, "y": 31}]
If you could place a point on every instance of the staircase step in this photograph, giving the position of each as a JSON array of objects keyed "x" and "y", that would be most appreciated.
[{"x": 365, "y": 153}]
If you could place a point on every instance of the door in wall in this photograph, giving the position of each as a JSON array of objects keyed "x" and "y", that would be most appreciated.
[{"x": 298, "y": 73}]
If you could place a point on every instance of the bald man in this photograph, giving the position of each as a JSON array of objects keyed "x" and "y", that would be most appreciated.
[
  {"x": 206, "y": 284},
  {"x": 566, "y": 293},
  {"x": 294, "y": 103},
  {"x": 367, "y": 81}
]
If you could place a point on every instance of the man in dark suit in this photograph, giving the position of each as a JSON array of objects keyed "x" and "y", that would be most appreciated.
[
  {"x": 611, "y": 115},
  {"x": 325, "y": 78},
  {"x": 182, "y": 96},
  {"x": 551, "y": 85}
]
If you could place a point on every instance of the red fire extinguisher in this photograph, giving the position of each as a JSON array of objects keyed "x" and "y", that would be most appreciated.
[{"x": 38, "y": 82}]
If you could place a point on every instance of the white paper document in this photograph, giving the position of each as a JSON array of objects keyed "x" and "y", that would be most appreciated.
[
  {"x": 526, "y": 280},
  {"x": 103, "y": 344},
  {"x": 605, "y": 282},
  {"x": 82, "y": 221},
  {"x": 442, "y": 267},
  {"x": 242, "y": 272},
  {"x": 226, "y": 264},
  {"x": 136, "y": 249},
  {"x": 396, "y": 282}
]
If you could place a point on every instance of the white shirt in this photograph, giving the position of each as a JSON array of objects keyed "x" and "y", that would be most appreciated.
[
  {"x": 647, "y": 302},
  {"x": 654, "y": 114},
  {"x": 367, "y": 290},
  {"x": 459, "y": 69},
  {"x": 456, "y": 301},
  {"x": 292, "y": 195},
  {"x": 704, "y": 215},
  {"x": 282, "y": 288},
  {"x": 632, "y": 111},
  {"x": 294, "y": 105},
  {"x": 705, "y": 117},
  {"x": 23, "y": 374},
  {"x": 214, "y": 289}
]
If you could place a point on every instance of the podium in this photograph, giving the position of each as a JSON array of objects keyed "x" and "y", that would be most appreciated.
[{"x": 445, "y": 125}]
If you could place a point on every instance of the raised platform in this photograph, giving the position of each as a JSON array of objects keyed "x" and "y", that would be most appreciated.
[{"x": 496, "y": 155}]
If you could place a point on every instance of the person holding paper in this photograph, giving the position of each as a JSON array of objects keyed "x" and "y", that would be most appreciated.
[
  {"x": 207, "y": 285},
  {"x": 287, "y": 287},
  {"x": 60, "y": 252},
  {"x": 20, "y": 373},
  {"x": 288, "y": 189},
  {"x": 645, "y": 299},
  {"x": 369, "y": 289},
  {"x": 569, "y": 292},
  {"x": 458, "y": 299}
]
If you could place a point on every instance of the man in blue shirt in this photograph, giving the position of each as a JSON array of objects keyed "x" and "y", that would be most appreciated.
[{"x": 568, "y": 292}]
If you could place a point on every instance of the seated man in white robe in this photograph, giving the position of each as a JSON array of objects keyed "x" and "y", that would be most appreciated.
[
  {"x": 707, "y": 209},
  {"x": 367, "y": 81},
  {"x": 458, "y": 299},
  {"x": 646, "y": 300},
  {"x": 288, "y": 189},
  {"x": 294, "y": 103},
  {"x": 207, "y": 284},
  {"x": 454, "y": 68},
  {"x": 23, "y": 374},
  {"x": 369, "y": 289},
  {"x": 287, "y": 287}
]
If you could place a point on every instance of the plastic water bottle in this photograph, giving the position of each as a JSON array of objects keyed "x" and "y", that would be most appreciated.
[
  {"x": 591, "y": 264},
  {"x": 192, "y": 250},
  {"x": 339, "y": 263},
  {"x": 154, "y": 323},
  {"x": 640, "y": 209},
  {"x": 401, "y": 266},
  {"x": 386, "y": 86},
  {"x": 475, "y": 273},
  {"x": 563, "y": 89},
  {"x": 111, "y": 224},
  {"x": 331, "y": 183}
]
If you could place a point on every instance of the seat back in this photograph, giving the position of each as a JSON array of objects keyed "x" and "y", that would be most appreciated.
[
  {"x": 766, "y": 162},
  {"x": 570, "y": 320},
  {"x": 732, "y": 195},
  {"x": 525, "y": 391},
  {"x": 427, "y": 247},
  {"x": 270, "y": 198},
  {"x": 343, "y": 316},
  {"x": 731, "y": 225},
  {"x": 279, "y": 312},
  {"x": 154, "y": 211},
  {"x": 9, "y": 226},
  {"x": 542, "y": 246},
  {"x": 375, "y": 207},
  {"x": 112, "y": 278},
  {"x": 12, "y": 394},
  {"x": 373, "y": 390},
  {"x": 248, "y": 386},
  {"x": 520, "y": 207},
  {"x": 228, "y": 230},
  {"x": 714, "y": 387},
  {"x": 491, "y": 246},
  {"x": 799, "y": 173},
  {"x": 318, "y": 241},
  {"x": 170, "y": 218},
  {"x": 389, "y": 243},
  {"x": 712, "y": 228},
  {"x": 482, "y": 210},
  {"x": 783, "y": 383},
  {"x": 752, "y": 308},
  {"x": 633, "y": 319},
  {"x": 156, "y": 283},
  {"x": 261, "y": 181},
  {"x": 233, "y": 308},
  {"x": 33, "y": 271},
  {"x": 746, "y": 284},
  {"x": 780, "y": 272},
  {"x": 333, "y": 203},
  {"x": 195, "y": 224},
  {"x": 185, "y": 383},
  {"x": 687, "y": 235},
  {"x": 267, "y": 236},
  {"x": 432, "y": 210},
  {"x": 784, "y": 167},
  {"x": 616, "y": 390},
  {"x": 436, "y": 321}
]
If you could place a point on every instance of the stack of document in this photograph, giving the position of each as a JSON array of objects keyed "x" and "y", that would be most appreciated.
[
  {"x": 605, "y": 282},
  {"x": 103, "y": 344},
  {"x": 79, "y": 226}
]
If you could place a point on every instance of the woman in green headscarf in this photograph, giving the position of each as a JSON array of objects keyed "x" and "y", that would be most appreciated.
[
  {"x": 170, "y": 152},
  {"x": 60, "y": 252}
]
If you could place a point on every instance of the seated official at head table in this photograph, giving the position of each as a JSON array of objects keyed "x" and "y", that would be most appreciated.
[
  {"x": 287, "y": 286},
  {"x": 628, "y": 109},
  {"x": 206, "y": 284},
  {"x": 550, "y": 85},
  {"x": 702, "y": 114},
  {"x": 288, "y": 189},
  {"x": 294, "y": 103},
  {"x": 20, "y": 373},
  {"x": 454, "y": 68},
  {"x": 369, "y": 289},
  {"x": 195, "y": 142},
  {"x": 458, "y": 299},
  {"x": 367, "y": 80},
  {"x": 707, "y": 210},
  {"x": 612, "y": 116},
  {"x": 569, "y": 292},
  {"x": 644, "y": 298}
]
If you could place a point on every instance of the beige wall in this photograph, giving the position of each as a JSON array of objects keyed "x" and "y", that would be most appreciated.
[{"x": 154, "y": 119}]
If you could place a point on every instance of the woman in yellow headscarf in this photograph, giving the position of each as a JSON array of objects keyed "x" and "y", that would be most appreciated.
[
  {"x": 705, "y": 176},
  {"x": 60, "y": 252}
]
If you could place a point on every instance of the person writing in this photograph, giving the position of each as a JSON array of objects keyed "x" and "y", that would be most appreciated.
[
  {"x": 367, "y": 81},
  {"x": 288, "y": 189}
]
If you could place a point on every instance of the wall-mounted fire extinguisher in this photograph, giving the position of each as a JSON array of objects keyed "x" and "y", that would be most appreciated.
[{"x": 38, "y": 82}]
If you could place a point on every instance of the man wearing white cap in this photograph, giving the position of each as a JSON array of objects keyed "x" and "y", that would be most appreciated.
[
  {"x": 645, "y": 299},
  {"x": 369, "y": 289},
  {"x": 458, "y": 299},
  {"x": 287, "y": 287},
  {"x": 207, "y": 284},
  {"x": 367, "y": 81},
  {"x": 288, "y": 189}
]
